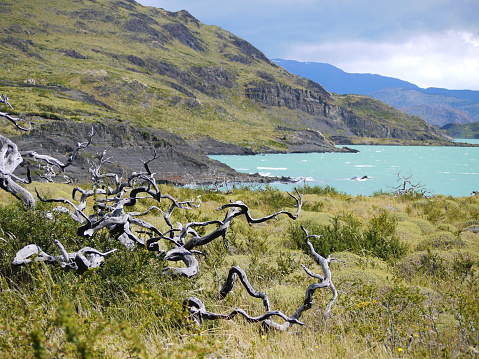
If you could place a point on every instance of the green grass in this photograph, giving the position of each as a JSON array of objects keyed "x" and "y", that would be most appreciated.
[{"x": 407, "y": 281}]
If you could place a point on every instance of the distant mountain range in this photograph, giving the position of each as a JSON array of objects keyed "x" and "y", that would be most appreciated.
[{"x": 438, "y": 106}]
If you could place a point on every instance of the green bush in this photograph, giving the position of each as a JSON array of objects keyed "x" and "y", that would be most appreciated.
[
  {"x": 346, "y": 233},
  {"x": 320, "y": 190}
]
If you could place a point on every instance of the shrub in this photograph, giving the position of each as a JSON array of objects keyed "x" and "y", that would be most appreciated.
[
  {"x": 320, "y": 190},
  {"x": 346, "y": 233},
  {"x": 425, "y": 226}
]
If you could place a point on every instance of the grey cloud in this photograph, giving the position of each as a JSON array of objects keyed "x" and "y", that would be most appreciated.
[{"x": 385, "y": 34}]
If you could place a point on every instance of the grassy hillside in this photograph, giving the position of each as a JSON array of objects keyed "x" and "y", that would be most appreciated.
[
  {"x": 119, "y": 61},
  {"x": 470, "y": 130},
  {"x": 407, "y": 282}
]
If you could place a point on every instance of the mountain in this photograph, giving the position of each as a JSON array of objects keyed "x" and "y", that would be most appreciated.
[
  {"x": 338, "y": 81},
  {"x": 437, "y": 106},
  {"x": 112, "y": 62}
]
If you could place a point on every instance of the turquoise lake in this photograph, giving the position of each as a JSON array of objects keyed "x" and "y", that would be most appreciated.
[{"x": 441, "y": 170}]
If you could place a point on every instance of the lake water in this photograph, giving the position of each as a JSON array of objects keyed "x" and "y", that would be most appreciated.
[{"x": 441, "y": 170}]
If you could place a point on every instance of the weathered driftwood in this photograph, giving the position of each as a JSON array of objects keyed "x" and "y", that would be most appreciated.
[
  {"x": 11, "y": 158},
  {"x": 230, "y": 281},
  {"x": 325, "y": 282},
  {"x": 80, "y": 261},
  {"x": 199, "y": 313},
  {"x": 183, "y": 250},
  {"x": 235, "y": 209},
  {"x": 110, "y": 203},
  {"x": 184, "y": 255}
]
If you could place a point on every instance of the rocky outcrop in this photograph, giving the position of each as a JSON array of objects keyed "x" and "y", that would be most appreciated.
[
  {"x": 308, "y": 141},
  {"x": 335, "y": 119},
  {"x": 273, "y": 93},
  {"x": 210, "y": 146},
  {"x": 176, "y": 162}
]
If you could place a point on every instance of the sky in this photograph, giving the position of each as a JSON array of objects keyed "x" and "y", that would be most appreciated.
[{"x": 431, "y": 43}]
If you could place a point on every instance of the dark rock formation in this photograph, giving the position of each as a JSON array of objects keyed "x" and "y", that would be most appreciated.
[
  {"x": 176, "y": 162},
  {"x": 335, "y": 119},
  {"x": 273, "y": 93}
]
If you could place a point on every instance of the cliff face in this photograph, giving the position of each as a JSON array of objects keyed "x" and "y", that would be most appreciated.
[
  {"x": 340, "y": 120},
  {"x": 277, "y": 94}
]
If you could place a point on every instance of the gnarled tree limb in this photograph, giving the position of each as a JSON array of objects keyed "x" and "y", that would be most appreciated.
[
  {"x": 79, "y": 261},
  {"x": 199, "y": 313},
  {"x": 230, "y": 281},
  {"x": 181, "y": 254}
]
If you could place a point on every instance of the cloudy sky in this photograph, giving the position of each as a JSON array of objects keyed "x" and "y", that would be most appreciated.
[{"x": 431, "y": 43}]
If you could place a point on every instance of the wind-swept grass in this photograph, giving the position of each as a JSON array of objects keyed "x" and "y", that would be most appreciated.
[{"x": 407, "y": 278}]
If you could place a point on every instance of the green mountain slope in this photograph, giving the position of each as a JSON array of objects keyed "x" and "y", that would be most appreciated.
[
  {"x": 115, "y": 61},
  {"x": 468, "y": 130}
]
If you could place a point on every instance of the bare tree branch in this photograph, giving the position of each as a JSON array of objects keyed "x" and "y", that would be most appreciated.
[
  {"x": 230, "y": 281},
  {"x": 14, "y": 120},
  {"x": 181, "y": 254},
  {"x": 55, "y": 162},
  {"x": 199, "y": 313},
  {"x": 77, "y": 215},
  {"x": 4, "y": 100},
  {"x": 79, "y": 261},
  {"x": 245, "y": 210}
]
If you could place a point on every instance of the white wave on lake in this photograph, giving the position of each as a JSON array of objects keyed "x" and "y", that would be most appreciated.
[{"x": 272, "y": 168}]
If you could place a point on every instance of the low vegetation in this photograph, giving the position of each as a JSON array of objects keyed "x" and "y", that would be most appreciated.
[{"x": 406, "y": 276}]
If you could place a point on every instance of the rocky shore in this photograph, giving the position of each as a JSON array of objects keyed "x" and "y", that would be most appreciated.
[{"x": 177, "y": 161}]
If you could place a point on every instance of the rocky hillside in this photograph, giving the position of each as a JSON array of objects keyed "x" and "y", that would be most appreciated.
[
  {"x": 437, "y": 106},
  {"x": 113, "y": 63}
]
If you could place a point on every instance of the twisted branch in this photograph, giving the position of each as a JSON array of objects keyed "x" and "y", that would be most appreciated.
[{"x": 79, "y": 261}]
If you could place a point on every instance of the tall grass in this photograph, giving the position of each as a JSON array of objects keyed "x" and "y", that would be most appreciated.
[{"x": 397, "y": 299}]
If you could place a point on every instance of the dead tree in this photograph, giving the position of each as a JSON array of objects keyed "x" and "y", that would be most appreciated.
[
  {"x": 80, "y": 261},
  {"x": 111, "y": 199},
  {"x": 11, "y": 158},
  {"x": 199, "y": 313},
  {"x": 407, "y": 186}
]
